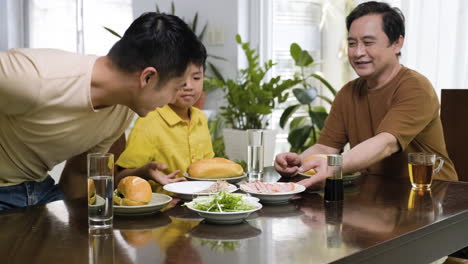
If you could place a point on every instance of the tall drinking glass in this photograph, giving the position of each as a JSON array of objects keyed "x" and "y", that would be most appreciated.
[
  {"x": 255, "y": 162},
  {"x": 100, "y": 188}
]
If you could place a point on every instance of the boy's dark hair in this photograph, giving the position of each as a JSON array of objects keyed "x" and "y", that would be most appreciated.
[
  {"x": 158, "y": 40},
  {"x": 393, "y": 19}
]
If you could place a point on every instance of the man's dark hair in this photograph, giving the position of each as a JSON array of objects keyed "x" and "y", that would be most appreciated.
[
  {"x": 158, "y": 40},
  {"x": 393, "y": 19}
]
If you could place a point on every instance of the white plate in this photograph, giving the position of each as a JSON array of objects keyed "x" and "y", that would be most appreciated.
[
  {"x": 275, "y": 198},
  {"x": 158, "y": 201},
  {"x": 230, "y": 179},
  {"x": 227, "y": 217},
  {"x": 347, "y": 179},
  {"x": 189, "y": 189}
]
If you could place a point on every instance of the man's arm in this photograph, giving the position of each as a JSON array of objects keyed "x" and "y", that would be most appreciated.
[
  {"x": 73, "y": 179},
  {"x": 318, "y": 149},
  {"x": 370, "y": 152},
  {"x": 360, "y": 157}
]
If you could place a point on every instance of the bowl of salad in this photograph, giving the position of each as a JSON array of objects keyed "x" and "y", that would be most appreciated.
[{"x": 224, "y": 208}]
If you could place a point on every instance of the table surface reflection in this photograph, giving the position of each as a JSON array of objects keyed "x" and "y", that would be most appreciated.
[{"x": 380, "y": 221}]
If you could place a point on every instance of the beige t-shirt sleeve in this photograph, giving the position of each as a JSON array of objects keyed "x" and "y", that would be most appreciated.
[
  {"x": 414, "y": 107},
  {"x": 15, "y": 96}
]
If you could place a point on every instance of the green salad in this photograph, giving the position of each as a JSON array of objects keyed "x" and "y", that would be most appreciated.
[{"x": 222, "y": 202}]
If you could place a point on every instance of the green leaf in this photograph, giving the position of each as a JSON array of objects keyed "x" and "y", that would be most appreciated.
[
  {"x": 195, "y": 22},
  {"x": 304, "y": 59},
  {"x": 297, "y": 137},
  {"x": 202, "y": 33},
  {"x": 238, "y": 39},
  {"x": 305, "y": 96},
  {"x": 298, "y": 121},
  {"x": 318, "y": 118},
  {"x": 288, "y": 112},
  {"x": 113, "y": 32},
  {"x": 216, "y": 72},
  {"x": 157, "y": 9},
  {"x": 217, "y": 57},
  {"x": 172, "y": 8},
  {"x": 295, "y": 51}
]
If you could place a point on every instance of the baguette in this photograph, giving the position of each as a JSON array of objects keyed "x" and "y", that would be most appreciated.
[{"x": 215, "y": 168}]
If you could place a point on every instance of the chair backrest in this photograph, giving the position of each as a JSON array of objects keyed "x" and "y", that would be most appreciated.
[{"x": 454, "y": 116}]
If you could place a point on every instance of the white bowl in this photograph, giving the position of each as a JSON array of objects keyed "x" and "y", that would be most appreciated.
[
  {"x": 227, "y": 217},
  {"x": 275, "y": 198},
  {"x": 190, "y": 189}
]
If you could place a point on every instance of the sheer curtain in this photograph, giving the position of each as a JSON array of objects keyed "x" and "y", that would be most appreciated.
[{"x": 437, "y": 40}]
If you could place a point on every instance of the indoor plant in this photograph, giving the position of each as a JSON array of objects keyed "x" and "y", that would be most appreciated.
[
  {"x": 305, "y": 129},
  {"x": 250, "y": 101}
]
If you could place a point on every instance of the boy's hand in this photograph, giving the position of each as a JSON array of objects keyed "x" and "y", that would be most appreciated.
[{"x": 154, "y": 171}]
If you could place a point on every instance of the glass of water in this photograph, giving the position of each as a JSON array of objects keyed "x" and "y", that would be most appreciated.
[
  {"x": 100, "y": 190},
  {"x": 255, "y": 152}
]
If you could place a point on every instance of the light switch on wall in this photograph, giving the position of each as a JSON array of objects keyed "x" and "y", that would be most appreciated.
[{"x": 216, "y": 36}]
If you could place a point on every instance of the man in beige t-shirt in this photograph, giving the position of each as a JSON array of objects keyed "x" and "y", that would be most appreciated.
[
  {"x": 386, "y": 113},
  {"x": 58, "y": 106}
]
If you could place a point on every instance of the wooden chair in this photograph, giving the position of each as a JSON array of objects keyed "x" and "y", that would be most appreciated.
[{"x": 454, "y": 116}]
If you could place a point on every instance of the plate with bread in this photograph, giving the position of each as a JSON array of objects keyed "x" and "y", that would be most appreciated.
[
  {"x": 215, "y": 169},
  {"x": 187, "y": 190},
  {"x": 133, "y": 196}
]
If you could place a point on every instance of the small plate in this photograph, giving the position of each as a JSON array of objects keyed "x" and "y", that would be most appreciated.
[
  {"x": 187, "y": 190},
  {"x": 230, "y": 179},
  {"x": 158, "y": 201},
  {"x": 226, "y": 217},
  {"x": 275, "y": 198},
  {"x": 347, "y": 179}
]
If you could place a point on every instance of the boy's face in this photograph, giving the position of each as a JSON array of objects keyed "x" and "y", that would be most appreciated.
[
  {"x": 190, "y": 93},
  {"x": 155, "y": 94}
]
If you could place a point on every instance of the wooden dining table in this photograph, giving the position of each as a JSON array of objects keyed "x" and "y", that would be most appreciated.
[{"x": 381, "y": 220}]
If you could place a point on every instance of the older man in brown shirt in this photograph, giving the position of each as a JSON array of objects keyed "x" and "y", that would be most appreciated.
[{"x": 386, "y": 113}]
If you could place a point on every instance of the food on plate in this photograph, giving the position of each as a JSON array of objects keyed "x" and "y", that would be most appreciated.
[
  {"x": 132, "y": 190},
  {"x": 91, "y": 192},
  {"x": 262, "y": 187},
  {"x": 222, "y": 202},
  {"x": 218, "y": 186},
  {"x": 312, "y": 171},
  {"x": 215, "y": 168}
]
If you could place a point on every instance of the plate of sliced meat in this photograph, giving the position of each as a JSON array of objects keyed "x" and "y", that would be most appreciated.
[{"x": 272, "y": 193}]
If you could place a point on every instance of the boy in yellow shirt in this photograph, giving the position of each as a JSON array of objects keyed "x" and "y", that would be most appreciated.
[{"x": 162, "y": 145}]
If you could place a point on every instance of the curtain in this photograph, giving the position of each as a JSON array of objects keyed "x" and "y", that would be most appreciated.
[{"x": 436, "y": 41}]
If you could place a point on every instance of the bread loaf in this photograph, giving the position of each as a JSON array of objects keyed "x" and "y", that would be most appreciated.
[
  {"x": 132, "y": 190},
  {"x": 215, "y": 168}
]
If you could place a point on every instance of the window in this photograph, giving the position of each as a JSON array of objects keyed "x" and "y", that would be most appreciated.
[
  {"x": 279, "y": 18},
  {"x": 77, "y": 25}
]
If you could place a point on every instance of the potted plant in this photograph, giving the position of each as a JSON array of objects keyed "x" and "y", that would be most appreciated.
[
  {"x": 304, "y": 130},
  {"x": 250, "y": 101}
]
